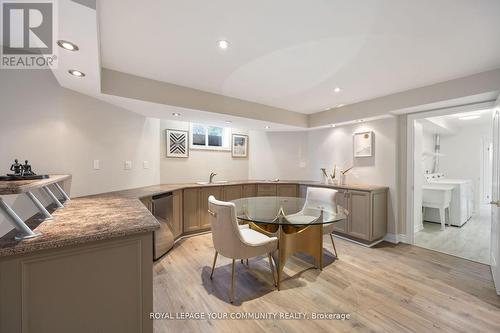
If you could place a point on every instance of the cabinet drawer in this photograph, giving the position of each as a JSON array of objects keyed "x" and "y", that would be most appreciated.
[
  {"x": 266, "y": 190},
  {"x": 232, "y": 192},
  {"x": 249, "y": 190},
  {"x": 287, "y": 190}
]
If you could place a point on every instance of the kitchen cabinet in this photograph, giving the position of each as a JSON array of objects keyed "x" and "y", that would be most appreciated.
[
  {"x": 233, "y": 192},
  {"x": 367, "y": 219},
  {"x": 266, "y": 190},
  {"x": 249, "y": 190},
  {"x": 204, "y": 193},
  {"x": 287, "y": 190},
  {"x": 196, "y": 207},
  {"x": 302, "y": 191},
  {"x": 359, "y": 218},
  {"x": 366, "y": 222},
  {"x": 342, "y": 201},
  {"x": 191, "y": 210},
  {"x": 177, "y": 214}
]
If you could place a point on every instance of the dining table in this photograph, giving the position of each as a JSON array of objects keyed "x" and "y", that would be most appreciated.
[{"x": 296, "y": 222}]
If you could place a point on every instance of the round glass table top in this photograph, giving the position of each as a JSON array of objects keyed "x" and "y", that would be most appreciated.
[{"x": 287, "y": 211}]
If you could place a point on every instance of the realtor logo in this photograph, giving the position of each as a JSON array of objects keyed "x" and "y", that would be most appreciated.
[{"x": 28, "y": 34}]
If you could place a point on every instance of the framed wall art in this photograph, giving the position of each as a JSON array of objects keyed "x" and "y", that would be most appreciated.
[
  {"x": 363, "y": 144},
  {"x": 177, "y": 143},
  {"x": 239, "y": 146}
]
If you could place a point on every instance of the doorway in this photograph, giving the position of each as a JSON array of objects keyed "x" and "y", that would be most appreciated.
[{"x": 450, "y": 166}]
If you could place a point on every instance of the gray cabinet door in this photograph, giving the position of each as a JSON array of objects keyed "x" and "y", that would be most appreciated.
[
  {"x": 266, "y": 190},
  {"x": 191, "y": 211},
  {"x": 342, "y": 200},
  {"x": 232, "y": 192},
  {"x": 359, "y": 215},
  {"x": 287, "y": 190}
]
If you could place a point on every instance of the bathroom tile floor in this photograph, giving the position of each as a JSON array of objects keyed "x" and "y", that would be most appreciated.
[{"x": 471, "y": 241}]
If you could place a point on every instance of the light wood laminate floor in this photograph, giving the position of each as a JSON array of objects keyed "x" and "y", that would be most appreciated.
[{"x": 389, "y": 288}]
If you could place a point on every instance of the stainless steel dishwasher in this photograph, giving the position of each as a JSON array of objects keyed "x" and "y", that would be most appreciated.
[{"x": 162, "y": 209}]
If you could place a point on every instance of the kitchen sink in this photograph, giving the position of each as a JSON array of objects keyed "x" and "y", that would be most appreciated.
[{"x": 212, "y": 183}]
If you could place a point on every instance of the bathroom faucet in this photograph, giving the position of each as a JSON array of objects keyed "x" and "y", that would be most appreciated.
[{"x": 212, "y": 175}]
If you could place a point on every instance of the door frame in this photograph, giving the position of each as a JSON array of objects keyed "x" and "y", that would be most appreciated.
[{"x": 410, "y": 152}]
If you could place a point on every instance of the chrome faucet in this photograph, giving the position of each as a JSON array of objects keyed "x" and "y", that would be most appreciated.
[{"x": 212, "y": 175}]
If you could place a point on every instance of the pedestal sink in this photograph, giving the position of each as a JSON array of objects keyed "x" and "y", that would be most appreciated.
[{"x": 212, "y": 183}]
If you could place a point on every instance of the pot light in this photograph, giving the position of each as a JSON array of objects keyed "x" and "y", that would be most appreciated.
[
  {"x": 340, "y": 105},
  {"x": 359, "y": 120},
  {"x": 228, "y": 122},
  {"x": 176, "y": 114},
  {"x": 336, "y": 90},
  {"x": 333, "y": 125},
  {"x": 470, "y": 117},
  {"x": 67, "y": 45},
  {"x": 223, "y": 44},
  {"x": 267, "y": 127},
  {"x": 76, "y": 73}
]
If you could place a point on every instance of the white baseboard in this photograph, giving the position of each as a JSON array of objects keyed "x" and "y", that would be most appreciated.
[
  {"x": 391, "y": 238},
  {"x": 396, "y": 238},
  {"x": 419, "y": 227},
  {"x": 495, "y": 274}
]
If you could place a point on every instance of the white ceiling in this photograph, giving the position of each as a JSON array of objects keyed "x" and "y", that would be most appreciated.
[
  {"x": 450, "y": 123},
  {"x": 291, "y": 53}
]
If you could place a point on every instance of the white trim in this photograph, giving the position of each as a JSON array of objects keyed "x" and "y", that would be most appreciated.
[
  {"x": 391, "y": 238},
  {"x": 359, "y": 243},
  {"x": 418, "y": 228},
  {"x": 494, "y": 273},
  {"x": 226, "y": 138},
  {"x": 410, "y": 147}
]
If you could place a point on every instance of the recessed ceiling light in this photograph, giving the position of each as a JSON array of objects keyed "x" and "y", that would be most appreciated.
[
  {"x": 67, "y": 45},
  {"x": 176, "y": 114},
  {"x": 223, "y": 44},
  {"x": 228, "y": 122},
  {"x": 360, "y": 120},
  {"x": 76, "y": 73},
  {"x": 267, "y": 127},
  {"x": 337, "y": 89},
  {"x": 340, "y": 105},
  {"x": 333, "y": 125},
  {"x": 470, "y": 117}
]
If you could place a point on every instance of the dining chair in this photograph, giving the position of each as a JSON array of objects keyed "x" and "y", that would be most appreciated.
[
  {"x": 317, "y": 196},
  {"x": 236, "y": 241}
]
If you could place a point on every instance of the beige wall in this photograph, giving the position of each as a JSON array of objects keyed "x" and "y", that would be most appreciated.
[
  {"x": 280, "y": 155},
  {"x": 300, "y": 155},
  {"x": 330, "y": 146},
  {"x": 61, "y": 131},
  {"x": 200, "y": 162}
]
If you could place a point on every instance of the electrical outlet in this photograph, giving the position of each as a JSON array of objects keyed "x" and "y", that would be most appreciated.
[
  {"x": 97, "y": 164},
  {"x": 128, "y": 165},
  {"x": 145, "y": 164}
]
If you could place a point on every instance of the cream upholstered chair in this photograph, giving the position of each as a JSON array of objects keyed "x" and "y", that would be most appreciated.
[
  {"x": 234, "y": 241},
  {"x": 316, "y": 196}
]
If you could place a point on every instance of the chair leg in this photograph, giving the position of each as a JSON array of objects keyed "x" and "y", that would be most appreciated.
[
  {"x": 334, "y": 249},
  {"x": 248, "y": 263},
  {"x": 213, "y": 265},
  {"x": 272, "y": 268},
  {"x": 231, "y": 297}
]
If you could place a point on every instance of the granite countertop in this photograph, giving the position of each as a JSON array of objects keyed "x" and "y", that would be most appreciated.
[
  {"x": 112, "y": 215},
  {"x": 22, "y": 186}
]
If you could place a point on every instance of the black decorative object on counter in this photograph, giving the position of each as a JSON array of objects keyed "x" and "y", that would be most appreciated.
[{"x": 22, "y": 172}]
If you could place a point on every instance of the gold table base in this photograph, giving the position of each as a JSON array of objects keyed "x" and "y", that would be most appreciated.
[{"x": 291, "y": 240}]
